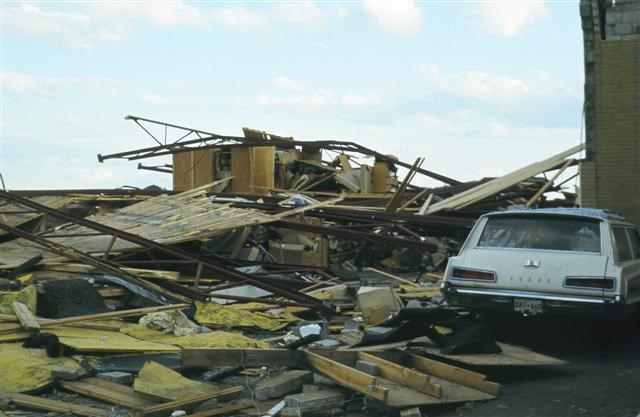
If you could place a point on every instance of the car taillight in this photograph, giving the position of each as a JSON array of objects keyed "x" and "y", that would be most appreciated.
[
  {"x": 590, "y": 282},
  {"x": 463, "y": 273}
]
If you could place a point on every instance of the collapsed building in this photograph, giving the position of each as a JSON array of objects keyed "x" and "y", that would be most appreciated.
[{"x": 279, "y": 277}]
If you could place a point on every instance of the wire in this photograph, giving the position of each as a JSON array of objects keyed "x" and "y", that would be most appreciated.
[{"x": 246, "y": 382}]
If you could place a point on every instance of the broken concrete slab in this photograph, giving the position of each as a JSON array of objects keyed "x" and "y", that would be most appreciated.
[{"x": 299, "y": 404}]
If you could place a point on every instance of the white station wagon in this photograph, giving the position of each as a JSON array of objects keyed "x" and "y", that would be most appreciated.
[{"x": 547, "y": 261}]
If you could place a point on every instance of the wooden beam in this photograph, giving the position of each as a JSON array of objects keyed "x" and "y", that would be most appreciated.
[
  {"x": 188, "y": 402},
  {"x": 549, "y": 183},
  {"x": 347, "y": 376},
  {"x": 216, "y": 357},
  {"x": 25, "y": 316},
  {"x": 39, "y": 403},
  {"x": 395, "y": 277},
  {"x": 425, "y": 205},
  {"x": 110, "y": 392},
  {"x": 100, "y": 316},
  {"x": 452, "y": 373},
  {"x": 414, "y": 198},
  {"x": 405, "y": 376},
  {"x": 220, "y": 410}
]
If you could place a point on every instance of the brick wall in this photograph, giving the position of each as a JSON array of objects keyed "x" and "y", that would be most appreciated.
[{"x": 611, "y": 177}]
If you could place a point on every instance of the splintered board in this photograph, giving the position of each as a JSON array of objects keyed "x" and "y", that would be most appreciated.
[
  {"x": 510, "y": 356},
  {"x": 401, "y": 382},
  {"x": 16, "y": 215}
]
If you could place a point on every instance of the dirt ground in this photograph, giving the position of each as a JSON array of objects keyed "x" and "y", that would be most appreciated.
[{"x": 602, "y": 379}]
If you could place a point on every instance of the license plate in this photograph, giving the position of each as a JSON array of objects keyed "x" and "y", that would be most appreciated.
[{"x": 526, "y": 306}]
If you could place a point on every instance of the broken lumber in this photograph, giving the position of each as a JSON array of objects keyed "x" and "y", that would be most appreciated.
[
  {"x": 347, "y": 376},
  {"x": 192, "y": 401},
  {"x": 110, "y": 392},
  {"x": 39, "y": 403},
  {"x": 402, "y": 375},
  {"x": 452, "y": 373},
  {"x": 251, "y": 358},
  {"x": 9, "y": 328},
  {"x": 25, "y": 316}
]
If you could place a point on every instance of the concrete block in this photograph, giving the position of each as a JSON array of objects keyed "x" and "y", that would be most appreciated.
[
  {"x": 285, "y": 383},
  {"x": 367, "y": 367},
  {"x": 306, "y": 388},
  {"x": 67, "y": 374},
  {"x": 622, "y": 29},
  {"x": 123, "y": 378},
  {"x": 585, "y": 8},
  {"x": 614, "y": 17},
  {"x": 302, "y": 404},
  {"x": 631, "y": 16},
  {"x": 411, "y": 412}
]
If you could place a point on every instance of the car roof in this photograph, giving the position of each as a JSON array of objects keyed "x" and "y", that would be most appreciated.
[{"x": 561, "y": 211}]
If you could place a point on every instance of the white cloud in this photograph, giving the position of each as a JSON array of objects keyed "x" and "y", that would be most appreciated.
[
  {"x": 498, "y": 88},
  {"x": 508, "y": 18},
  {"x": 397, "y": 17},
  {"x": 57, "y": 86},
  {"x": 238, "y": 18},
  {"x": 117, "y": 21},
  {"x": 477, "y": 85},
  {"x": 303, "y": 12},
  {"x": 71, "y": 28},
  {"x": 17, "y": 82},
  {"x": 288, "y": 84},
  {"x": 153, "y": 98},
  {"x": 166, "y": 14}
]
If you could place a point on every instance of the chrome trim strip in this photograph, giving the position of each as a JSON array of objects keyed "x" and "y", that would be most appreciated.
[{"x": 521, "y": 294}]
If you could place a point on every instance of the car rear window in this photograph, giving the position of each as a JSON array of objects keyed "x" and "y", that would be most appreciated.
[
  {"x": 541, "y": 232},
  {"x": 623, "y": 246}
]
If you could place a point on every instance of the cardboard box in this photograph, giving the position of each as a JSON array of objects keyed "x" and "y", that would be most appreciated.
[{"x": 376, "y": 303}]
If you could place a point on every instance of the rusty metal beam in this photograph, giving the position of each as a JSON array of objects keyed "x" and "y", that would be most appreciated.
[{"x": 208, "y": 140}]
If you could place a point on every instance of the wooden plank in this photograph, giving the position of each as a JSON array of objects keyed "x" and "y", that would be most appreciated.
[
  {"x": 549, "y": 183},
  {"x": 100, "y": 316},
  {"x": 187, "y": 402},
  {"x": 348, "y": 377},
  {"x": 216, "y": 357},
  {"x": 394, "y": 277},
  {"x": 496, "y": 185},
  {"x": 39, "y": 403},
  {"x": 452, "y": 373},
  {"x": 510, "y": 356},
  {"x": 25, "y": 316},
  {"x": 109, "y": 392},
  {"x": 402, "y": 375},
  {"x": 220, "y": 410}
]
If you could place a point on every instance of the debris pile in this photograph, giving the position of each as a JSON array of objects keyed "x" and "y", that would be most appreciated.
[{"x": 273, "y": 283}]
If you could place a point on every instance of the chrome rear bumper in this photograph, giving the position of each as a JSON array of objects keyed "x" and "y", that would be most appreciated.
[
  {"x": 449, "y": 289},
  {"x": 496, "y": 299}
]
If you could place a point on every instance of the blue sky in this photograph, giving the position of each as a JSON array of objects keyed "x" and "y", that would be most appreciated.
[{"x": 478, "y": 88}]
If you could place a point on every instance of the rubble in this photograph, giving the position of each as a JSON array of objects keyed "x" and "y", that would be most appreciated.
[{"x": 272, "y": 282}]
